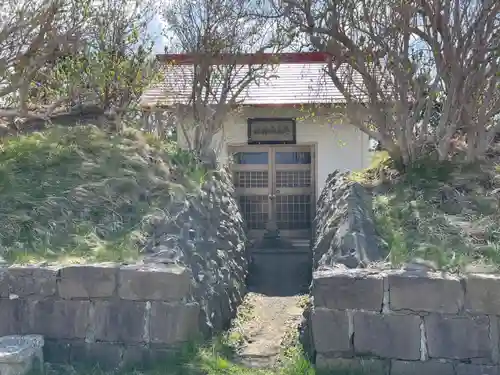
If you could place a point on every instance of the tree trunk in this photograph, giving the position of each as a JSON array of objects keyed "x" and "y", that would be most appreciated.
[
  {"x": 206, "y": 152},
  {"x": 399, "y": 161}
]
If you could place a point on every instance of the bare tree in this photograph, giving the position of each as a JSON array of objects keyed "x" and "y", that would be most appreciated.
[
  {"x": 218, "y": 35},
  {"x": 392, "y": 60},
  {"x": 116, "y": 64},
  {"x": 33, "y": 32},
  {"x": 58, "y": 55}
]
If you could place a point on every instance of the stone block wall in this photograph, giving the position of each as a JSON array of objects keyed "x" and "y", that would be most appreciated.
[
  {"x": 396, "y": 322},
  {"x": 108, "y": 314}
]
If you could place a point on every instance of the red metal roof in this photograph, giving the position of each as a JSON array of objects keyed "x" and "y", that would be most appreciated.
[
  {"x": 243, "y": 59},
  {"x": 295, "y": 78}
]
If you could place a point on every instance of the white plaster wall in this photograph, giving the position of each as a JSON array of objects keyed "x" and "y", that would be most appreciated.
[{"x": 339, "y": 146}]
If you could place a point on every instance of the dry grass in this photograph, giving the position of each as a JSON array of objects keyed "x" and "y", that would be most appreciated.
[
  {"x": 446, "y": 213},
  {"x": 79, "y": 194}
]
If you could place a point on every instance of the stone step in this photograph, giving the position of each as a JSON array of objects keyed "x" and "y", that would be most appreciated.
[
  {"x": 21, "y": 354},
  {"x": 280, "y": 273}
]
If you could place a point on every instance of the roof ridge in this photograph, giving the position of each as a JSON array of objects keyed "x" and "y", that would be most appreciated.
[{"x": 247, "y": 58}]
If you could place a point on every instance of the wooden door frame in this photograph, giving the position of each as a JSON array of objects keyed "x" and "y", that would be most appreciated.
[
  {"x": 248, "y": 168},
  {"x": 313, "y": 146}
]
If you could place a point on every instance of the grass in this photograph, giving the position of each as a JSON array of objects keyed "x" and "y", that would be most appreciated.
[
  {"x": 220, "y": 355},
  {"x": 377, "y": 172},
  {"x": 215, "y": 358},
  {"x": 446, "y": 213},
  {"x": 80, "y": 195}
]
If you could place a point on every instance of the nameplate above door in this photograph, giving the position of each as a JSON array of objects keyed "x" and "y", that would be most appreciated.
[{"x": 271, "y": 131}]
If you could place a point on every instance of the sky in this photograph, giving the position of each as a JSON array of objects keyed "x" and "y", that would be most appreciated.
[{"x": 156, "y": 28}]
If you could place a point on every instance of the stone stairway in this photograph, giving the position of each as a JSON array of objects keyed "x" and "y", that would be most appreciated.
[{"x": 280, "y": 268}]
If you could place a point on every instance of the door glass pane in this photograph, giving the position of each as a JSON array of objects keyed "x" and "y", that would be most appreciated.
[
  {"x": 293, "y": 157},
  {"x": 293, "y": 212},
  {"x": 293, "y": 179},
  {"x": 251, "y": 179},
  {"x": 255, "y": 210},
  {"x": 251, "y": 158}
]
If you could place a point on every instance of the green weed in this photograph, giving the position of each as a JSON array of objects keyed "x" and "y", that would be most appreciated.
[
  {"x": 446, "y": 213},
  {"x": 80, "y": 194}
]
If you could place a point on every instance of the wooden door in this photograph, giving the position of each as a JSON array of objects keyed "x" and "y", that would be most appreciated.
[{"x": 275, "y": 188}]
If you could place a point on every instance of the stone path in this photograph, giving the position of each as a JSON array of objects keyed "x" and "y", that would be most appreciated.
[{"x": 268, "y": 329}]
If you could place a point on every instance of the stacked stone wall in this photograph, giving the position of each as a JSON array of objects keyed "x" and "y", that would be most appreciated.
[
  {"x": 403, "y": 323},
  {"x": 344, "y": 231},
  {"x": 106, "y": 313},
  {"x": 366, "y": 316}
]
